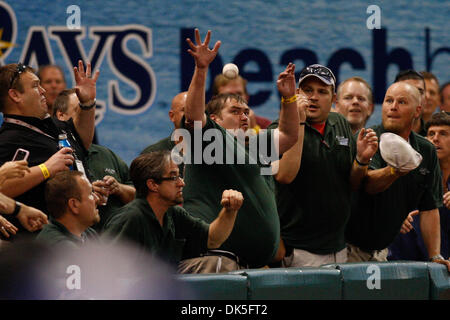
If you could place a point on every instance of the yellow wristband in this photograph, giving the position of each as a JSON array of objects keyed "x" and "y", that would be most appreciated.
[
  {"x": 393, "y": 170},
  {"x": 289, "y": 100},
  {"x": 45, "y": 171}
]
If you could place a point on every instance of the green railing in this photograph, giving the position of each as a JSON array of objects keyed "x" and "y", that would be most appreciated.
[{"x": 402, "y": 280}]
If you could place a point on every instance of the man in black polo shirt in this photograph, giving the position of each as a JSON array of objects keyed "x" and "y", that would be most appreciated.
[
  {"x": 28, "y": 125},
  {"x": 389, "y": 194},
  {"x": 316, "y": 176},
  {"x": 72, "y": 206}
]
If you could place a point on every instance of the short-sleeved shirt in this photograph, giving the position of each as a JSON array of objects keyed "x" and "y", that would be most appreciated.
[
  {"x": 314, "y": 208},
  {"x": 101, "y": 162},
  {"x": 56, "y": 234},
  {"x": 41, "y": 148},
  {"x": 256, "y": 233},
  {"x": 376, "y": 219},
  {"x": 180, "y": 237}
]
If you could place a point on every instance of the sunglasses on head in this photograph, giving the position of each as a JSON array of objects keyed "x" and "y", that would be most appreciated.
[
  {"x": 320, "y": 71},
  {"x": 20, "y": 68}
]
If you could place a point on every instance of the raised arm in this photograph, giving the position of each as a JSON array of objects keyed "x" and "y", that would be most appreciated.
[
  {"x": 203, "y": 56},
  {"x": 366, "y": 147},
  {"x": 221, "y": 227},
  {"x": 287, "y": 131},
  {"x": 86, "y": 92},
  {"x": 288, "y": 166}
]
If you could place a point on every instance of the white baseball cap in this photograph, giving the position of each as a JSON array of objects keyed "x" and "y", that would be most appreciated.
[{"x": 398, "y": 153}]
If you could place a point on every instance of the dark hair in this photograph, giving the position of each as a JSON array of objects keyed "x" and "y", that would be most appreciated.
[
  {"x": 409, "y": 74},
  {"x": 148, "y": 166},
  {"x": 59, "y": 189},
  {"x": 61, "y": 102},
  {"x": 7, "y": 73},
  {"x": 215, "y": 105},
  {"x": 41, "y": 70},
  {"x": 438, "y": 119}
]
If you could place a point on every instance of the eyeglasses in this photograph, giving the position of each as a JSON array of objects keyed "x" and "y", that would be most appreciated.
[
  {"x": 173, "y": 178},
  {"x": 320, "y": 71},
  {"x": 20, "y": 68}
]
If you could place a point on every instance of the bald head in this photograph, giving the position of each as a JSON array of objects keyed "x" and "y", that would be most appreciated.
[
  {"x": 400, "y": 107},
  {"x": 413, "y": 92},
  {"x": 176, "y": 111}
]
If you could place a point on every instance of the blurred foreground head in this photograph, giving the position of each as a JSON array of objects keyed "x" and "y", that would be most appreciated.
[{"x": 32, "y": 271}]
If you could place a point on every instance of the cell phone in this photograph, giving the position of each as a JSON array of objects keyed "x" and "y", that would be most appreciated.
[{"x": 21, "y": 154}]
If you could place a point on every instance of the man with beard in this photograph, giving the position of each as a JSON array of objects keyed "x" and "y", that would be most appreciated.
[{"x": 389, "y": 194}]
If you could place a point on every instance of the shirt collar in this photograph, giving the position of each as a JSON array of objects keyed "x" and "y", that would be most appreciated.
[{"x": 64, "y": 230}]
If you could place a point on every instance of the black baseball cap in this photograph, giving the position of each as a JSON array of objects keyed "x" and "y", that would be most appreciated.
[{"x": 319, "y": 71}]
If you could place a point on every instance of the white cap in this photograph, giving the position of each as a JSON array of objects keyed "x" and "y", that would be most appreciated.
[{"x": 398, "y": 153}]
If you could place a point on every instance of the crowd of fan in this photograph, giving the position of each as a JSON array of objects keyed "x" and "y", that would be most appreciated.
[{"x": 331, "y": 197}]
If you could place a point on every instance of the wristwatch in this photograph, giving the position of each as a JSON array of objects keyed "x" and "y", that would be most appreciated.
[
  {"x": 437, "y": 257},
  {"x": 16, "y": 209}
]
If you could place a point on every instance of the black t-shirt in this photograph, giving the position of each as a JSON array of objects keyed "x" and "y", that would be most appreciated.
[{"x": 40, "y": 146}]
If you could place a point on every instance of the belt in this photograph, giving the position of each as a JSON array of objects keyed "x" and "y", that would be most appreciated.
[
  {"x": 241, "y": 262},
  {"x": 368, "y": 251}
]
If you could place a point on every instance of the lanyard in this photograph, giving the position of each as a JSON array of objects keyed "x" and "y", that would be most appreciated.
[{"x": 27, "y": 125}]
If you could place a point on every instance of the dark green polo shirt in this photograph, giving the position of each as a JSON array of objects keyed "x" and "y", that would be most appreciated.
[
  {"x": 56, "y": 234},
  {"x": 256, "y": 233},
  {"x": 376, "y": 219},
  {"x": 181, "y": 236},
  {"x": 315, "y": 207},
  {"x": 102, "y": 162}
]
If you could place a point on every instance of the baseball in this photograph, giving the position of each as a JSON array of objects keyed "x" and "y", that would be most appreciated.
[{"x": 230, "y": 71}]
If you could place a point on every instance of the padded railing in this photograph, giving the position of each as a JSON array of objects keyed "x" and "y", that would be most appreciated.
[{"x": 402, "y": 280}]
